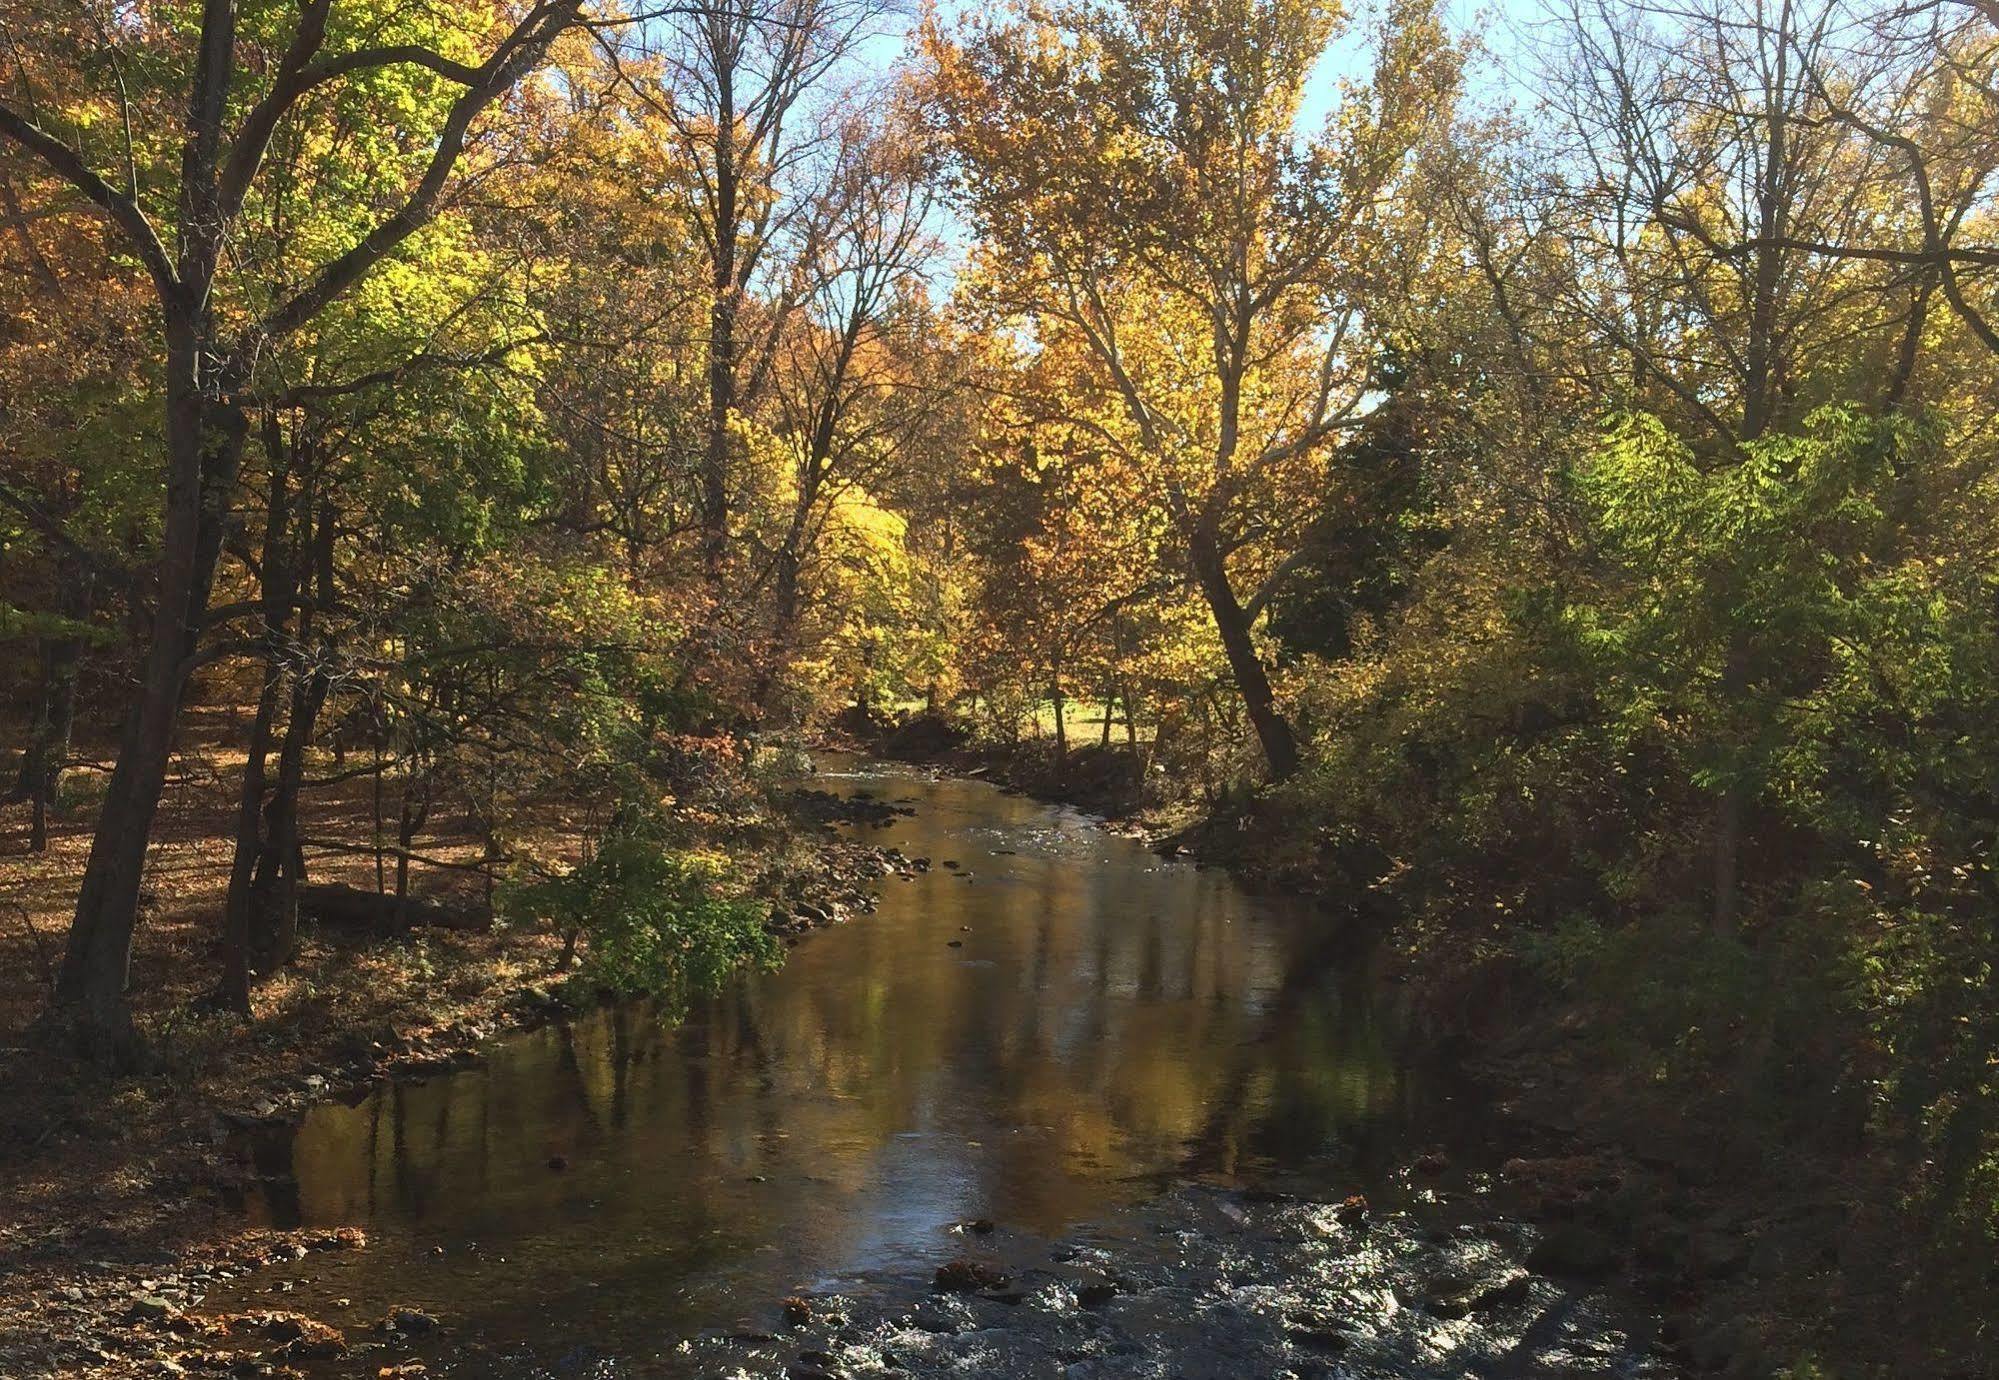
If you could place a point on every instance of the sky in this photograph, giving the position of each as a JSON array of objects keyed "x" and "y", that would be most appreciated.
[
  {"x": 1498, "y": 25},
  {"x": 1493, "y": 22}
]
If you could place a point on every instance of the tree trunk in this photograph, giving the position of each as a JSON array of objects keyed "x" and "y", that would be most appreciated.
[
  {"x": 204, "y": 446},
  {"x": 281, "y": 868},
  {"x": 721, "y": 333},
  {"x": 784, "y": 618},
  {"x": 47, "y": 751},
  {"x": 1273, "y": 733},
  {"x": 236, "y": 909},
  {"x": 415, "y": 810},
  {"x": 1733, "y": 805},
  {"x": 715, "y": 463},
  {"x": 281, "y": 864},
  {"x": 375, "y": 739},
  {"x": 278, "y": 582},
  {"x": 784, "y": 600},
  {"x": 1061, "y": 725}
]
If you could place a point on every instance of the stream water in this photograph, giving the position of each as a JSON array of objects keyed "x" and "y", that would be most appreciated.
[{"x": 1052, "y": 1030}]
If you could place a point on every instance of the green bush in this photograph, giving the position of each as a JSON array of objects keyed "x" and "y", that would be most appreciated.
[
  {"x": 652, "y": 920},
  {"x": 1526, "y": 759}
]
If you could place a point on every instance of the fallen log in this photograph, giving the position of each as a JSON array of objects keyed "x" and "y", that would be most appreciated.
[{"x": 334, "y": 903}]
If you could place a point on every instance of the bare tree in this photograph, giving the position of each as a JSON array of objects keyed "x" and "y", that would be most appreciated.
[
  {"x": 735, "y": 79},
  {"x": 849, "y": 391},
  {"x": 1927, "y": 98}
]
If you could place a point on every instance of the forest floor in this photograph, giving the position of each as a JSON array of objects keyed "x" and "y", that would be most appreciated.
[{"x": 111, "y": 1190}]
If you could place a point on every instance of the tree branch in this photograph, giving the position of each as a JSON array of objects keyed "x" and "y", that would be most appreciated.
[
  {"x": 124, "y": 212},
  {"x": 511, "y": 61}
]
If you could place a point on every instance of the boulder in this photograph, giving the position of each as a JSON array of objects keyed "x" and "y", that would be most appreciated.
[
  {"x": 967, "y": 1277},
  {"x": 409, "y": 1322}
]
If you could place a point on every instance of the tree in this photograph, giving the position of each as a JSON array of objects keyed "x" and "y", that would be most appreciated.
[
  {"x": 1710, "y": 154},
  {"x": 1917, "y": 86},
  {"x": 625, "y": 291},
  {"x": 864, "y": 368},
  {"x": 74, "y": 389},
  {"x": 75, "y": 112},
  {"x": 1138, "y": 185},
  {"x": 729, "y": 80}
]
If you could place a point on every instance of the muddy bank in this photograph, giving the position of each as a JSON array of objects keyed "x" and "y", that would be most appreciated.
[{"x": 1133, "y": 793}]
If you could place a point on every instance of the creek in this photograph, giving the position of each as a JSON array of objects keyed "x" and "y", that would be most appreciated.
[{"x": 1105, "y": 1075}]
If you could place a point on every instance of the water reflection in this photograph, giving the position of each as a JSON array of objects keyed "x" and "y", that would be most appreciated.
[{"x": 1108, "y": 1019}]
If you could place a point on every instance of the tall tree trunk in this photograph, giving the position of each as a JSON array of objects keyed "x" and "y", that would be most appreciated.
[
  {"x": 278, "y": 581},
  {"x": 204, "y": 447},
  {"x": 721, "y": 333},
  {"x": 48, "y": 750},
  {"x": 784, "y": 598},
  {"x": 784, "y": 615},
  {"x": 281, "y": 866},
  {"x": 417, "y": 796},
  {"x": 262, "y": 909},
  {"x": 1061, "y": 718},
  {"x": 715, "y": 463},
  {"x": 1273, "y": 733},
  {"x": 375, "y": 739}
]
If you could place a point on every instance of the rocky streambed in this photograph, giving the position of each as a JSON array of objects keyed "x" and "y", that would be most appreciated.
[
  {"x": 1206, "y": 1281},
  {"x": 1199, "y": 1282}
]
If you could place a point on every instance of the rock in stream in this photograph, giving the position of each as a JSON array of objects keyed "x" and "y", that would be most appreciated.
[{"x": 1211, "y": 1284}]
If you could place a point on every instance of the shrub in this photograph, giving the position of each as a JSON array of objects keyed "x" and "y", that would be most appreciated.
[{"x": 652, "y": 920}]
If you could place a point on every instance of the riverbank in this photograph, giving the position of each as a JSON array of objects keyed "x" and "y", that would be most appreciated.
[
  {"x": 1117, "y": 781},
  {"x": 120, "y": 1197},
  {"x": 1767, "y": 1254}
]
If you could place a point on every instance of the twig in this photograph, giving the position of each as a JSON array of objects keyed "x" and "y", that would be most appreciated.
[
  {"x": 394, "y": 852},
  {"x": 41, "y": 947}
]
